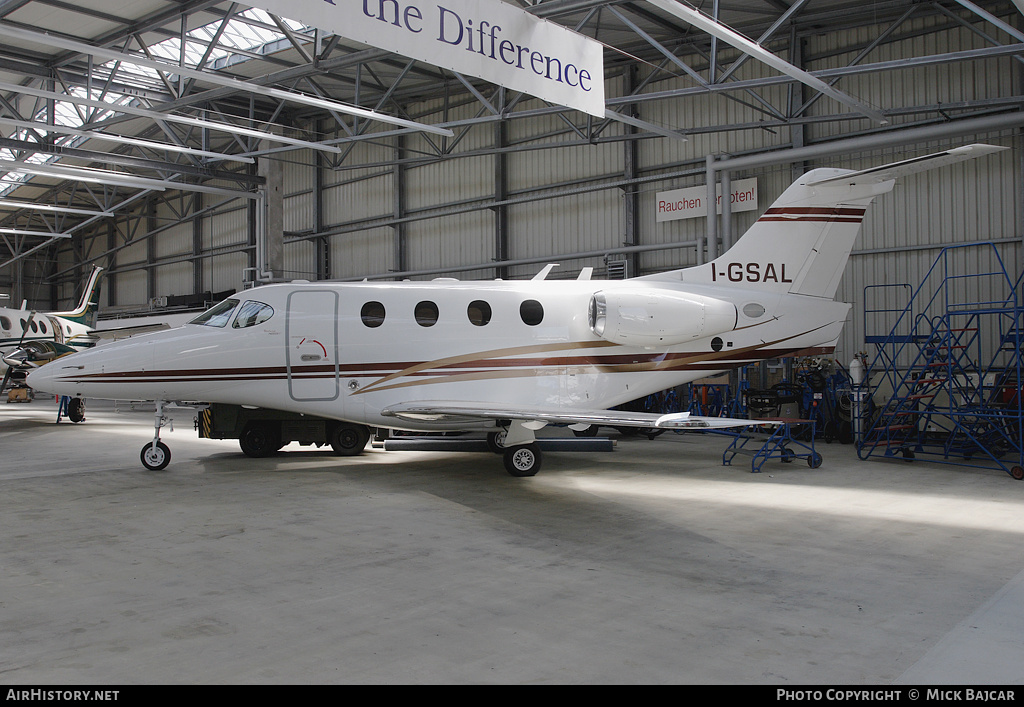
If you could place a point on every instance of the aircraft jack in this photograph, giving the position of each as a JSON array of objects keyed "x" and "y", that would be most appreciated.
[{"x": 71, "y": 408}]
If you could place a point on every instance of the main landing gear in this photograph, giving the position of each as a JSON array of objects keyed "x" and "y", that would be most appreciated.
[{"x": 521, "y": 460}]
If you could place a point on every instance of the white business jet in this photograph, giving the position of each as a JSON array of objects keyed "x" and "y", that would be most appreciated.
[{"x": 507, "y": 356}]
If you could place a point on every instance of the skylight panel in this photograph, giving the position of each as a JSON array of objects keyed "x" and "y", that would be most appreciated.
[{"x": 249, "y": 31}]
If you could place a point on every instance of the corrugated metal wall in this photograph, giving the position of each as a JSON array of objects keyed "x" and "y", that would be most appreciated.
[{"x": 574, "y": 198}]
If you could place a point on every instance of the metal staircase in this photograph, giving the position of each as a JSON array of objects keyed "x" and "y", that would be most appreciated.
[{"x": 953, "y": 363}]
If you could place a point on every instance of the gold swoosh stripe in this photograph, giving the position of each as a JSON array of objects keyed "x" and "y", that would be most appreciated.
[{"x": 483, "y": 356}]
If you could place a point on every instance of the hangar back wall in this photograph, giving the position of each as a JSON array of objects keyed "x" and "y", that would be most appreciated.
[{"x": 538, "y": 189}]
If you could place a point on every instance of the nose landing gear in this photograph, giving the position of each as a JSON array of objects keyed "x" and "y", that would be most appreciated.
[{"x": 156, "y": 455}]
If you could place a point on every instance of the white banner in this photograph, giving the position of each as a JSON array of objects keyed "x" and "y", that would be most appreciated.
[
  {"x": 692, "y": 202},
  {"x": 491, "y": 40}
]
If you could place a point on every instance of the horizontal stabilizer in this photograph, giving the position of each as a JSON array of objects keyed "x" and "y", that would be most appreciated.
[{"x": 895, "y": 170}]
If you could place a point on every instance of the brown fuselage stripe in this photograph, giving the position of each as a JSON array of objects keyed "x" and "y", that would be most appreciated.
[
  {"x": 579, "y": 365},
  {"x": 819, "y": 214}
]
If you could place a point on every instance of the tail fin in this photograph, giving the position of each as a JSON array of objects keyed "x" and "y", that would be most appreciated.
[
  {"x": 88, "y": 306},
  {"x": 801, "y": 244}
]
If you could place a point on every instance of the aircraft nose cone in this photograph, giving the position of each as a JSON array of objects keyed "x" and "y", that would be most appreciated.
[
  {"x": 37, "y": 380},
  {"x": 42, "y": 379}
]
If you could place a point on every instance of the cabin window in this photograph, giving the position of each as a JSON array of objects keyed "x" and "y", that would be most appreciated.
[
  {"x": 426, "y": 313},
  {"x": 24, "y": 325},
  {"x": 252, "y": 313},
  {"x": 479, "y": 312},
  {"x": 35, "y": 327},
  {"x": 42, "y": 327},
  {"x": 372, "y": 314},
  {"x": 5, "y": 323},
  {"x": 218, "y": 315},
  {"x": 532, "y": 312}
]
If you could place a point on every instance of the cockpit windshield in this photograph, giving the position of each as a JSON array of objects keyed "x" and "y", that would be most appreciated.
[
  {"x": 218, "y": 315},
  {"x": 252, "y": 313}
]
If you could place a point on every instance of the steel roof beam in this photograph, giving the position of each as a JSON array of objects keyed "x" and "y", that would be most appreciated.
[{"x": 711, "y": 26}]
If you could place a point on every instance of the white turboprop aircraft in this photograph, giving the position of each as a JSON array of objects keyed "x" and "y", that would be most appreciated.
[
  {"x": 507, "y": 356},
  {"x": 29, "y": 338},
  {"x": 69, "y": 329}
]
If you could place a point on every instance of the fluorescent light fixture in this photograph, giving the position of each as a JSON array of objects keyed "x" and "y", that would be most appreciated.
[
  {"x": 45, "y": 234},
  {"x": 714, "y": 28},
  {"x": 121, "y": 179},
  {"x": 170, "y": 147},
  {"x": 9, "y": 204},
  {"x": 82, "y": 174},
  {"x": 90, "y": 50}
]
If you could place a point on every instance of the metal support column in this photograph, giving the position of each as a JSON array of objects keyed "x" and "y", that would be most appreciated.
[
  {"x": 500, "y": 196},
  {"x": 270, "y": 257},
  {"x": 710, "y": 249},
  {"x": 399, "y": 250}
]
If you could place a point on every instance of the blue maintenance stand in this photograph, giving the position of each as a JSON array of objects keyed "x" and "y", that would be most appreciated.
[{"x": 779, "y": 443}]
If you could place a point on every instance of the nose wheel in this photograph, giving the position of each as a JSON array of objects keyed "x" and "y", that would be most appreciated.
[{"x": 156, "y": 455}]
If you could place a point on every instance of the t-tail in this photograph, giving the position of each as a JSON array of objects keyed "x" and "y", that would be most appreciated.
[
  {"x": 801, "y": 244},
  {"x": 88, "y": 306}
]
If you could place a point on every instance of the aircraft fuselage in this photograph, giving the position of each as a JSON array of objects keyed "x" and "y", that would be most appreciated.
[{"x": 348, "y": 351}]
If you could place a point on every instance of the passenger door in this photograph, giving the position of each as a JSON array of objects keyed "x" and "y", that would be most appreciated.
[{"x": 311, "y": 341}]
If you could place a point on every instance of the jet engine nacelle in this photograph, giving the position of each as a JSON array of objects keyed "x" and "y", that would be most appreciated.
[{"x": 658, "y": 317}]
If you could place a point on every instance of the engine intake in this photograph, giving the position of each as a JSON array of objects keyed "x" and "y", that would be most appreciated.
[{"x": 657, "y": 317}]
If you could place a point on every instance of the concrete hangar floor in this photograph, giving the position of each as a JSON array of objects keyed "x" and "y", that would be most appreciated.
[{"x": 653, "y": 563}]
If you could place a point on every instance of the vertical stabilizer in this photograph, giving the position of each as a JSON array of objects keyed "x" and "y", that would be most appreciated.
[
  {"x": 800, "y": 245},
  {"x": 88, "y": 305}
]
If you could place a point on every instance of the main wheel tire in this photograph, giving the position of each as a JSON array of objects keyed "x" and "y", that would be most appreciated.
[
  {"x": 76, "y": 409},
  {"x": 155, "y": 459},
  {"x": 523, "y": 460},
  {"x": 589, "y": 432},
  {"x": 496, "y": 441},
  {"x": 260, "y": 439},
  {"x": 348, "y": 440}
]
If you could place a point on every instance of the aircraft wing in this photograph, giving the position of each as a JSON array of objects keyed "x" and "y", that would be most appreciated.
[
  {"x": 451, "y": 411},
  {"x": 124, "y": 332}
]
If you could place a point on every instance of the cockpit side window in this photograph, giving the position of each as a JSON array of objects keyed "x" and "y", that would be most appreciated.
[
  {"x": 218, "y": 315},
  {"x": 252, "y": 313}
]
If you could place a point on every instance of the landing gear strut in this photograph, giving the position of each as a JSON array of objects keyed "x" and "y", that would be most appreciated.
[{"x": 155, "y": 455}]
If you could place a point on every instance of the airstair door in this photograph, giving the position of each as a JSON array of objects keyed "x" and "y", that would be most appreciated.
[{"x": 311, "y": 338}]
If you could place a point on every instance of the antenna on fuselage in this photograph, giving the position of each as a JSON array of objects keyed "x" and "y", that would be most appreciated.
[{"x": 542, "y": 275}]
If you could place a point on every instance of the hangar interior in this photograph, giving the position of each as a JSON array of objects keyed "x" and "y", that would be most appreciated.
[{"x": 192, "y": 148}]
